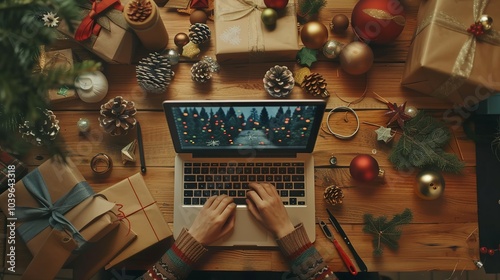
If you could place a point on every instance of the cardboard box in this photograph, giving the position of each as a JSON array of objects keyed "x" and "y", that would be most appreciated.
[
  {"x": 240, "y": 35},
  {"x": 140, "y": 211},
  {"x": 110, "y": 38},
  {"x": 442, "y": 51}
]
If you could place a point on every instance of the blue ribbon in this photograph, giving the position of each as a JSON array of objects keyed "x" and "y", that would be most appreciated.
[{"x": 34, "y": 220}]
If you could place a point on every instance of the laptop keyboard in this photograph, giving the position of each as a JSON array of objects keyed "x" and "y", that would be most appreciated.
[{"x": 203, "y": 180}]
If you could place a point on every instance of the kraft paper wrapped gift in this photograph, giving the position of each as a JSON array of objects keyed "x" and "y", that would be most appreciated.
[
  {"x": 104, "y": 31},
  {"x": 142, "y": 213},
  {"x": 242, "y": 37},
  {"x": 446, "y": 61},
  {"x": 62, "y": 59},
  {"x": 54, "y": 206}
]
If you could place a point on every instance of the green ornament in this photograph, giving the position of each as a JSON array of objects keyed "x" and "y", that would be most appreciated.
[
  {"x": 269, "y": 17},
  {"x": 306, "y": 56}
]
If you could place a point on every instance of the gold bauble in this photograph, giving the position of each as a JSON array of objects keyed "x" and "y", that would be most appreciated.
[
  {"x": 198, "y": 16},
  {"x": 269, "y": 16},
  {"x": 429, "y": 185},
  {"x": 486, "y": 21},
  {"x": 356, "y": 58},
  {"x": 181, "y": 39},
  {"x": 314, "y": 35}
]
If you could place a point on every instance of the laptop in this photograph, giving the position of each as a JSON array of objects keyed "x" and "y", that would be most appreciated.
[{"x": 222, "y": 145}]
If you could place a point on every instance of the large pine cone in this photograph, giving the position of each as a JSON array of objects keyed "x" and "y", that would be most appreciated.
[
  {"x": 315, "y": 85},
  {"x": 154, "y": 73},
  {"x": 278, "y": 81},
  {"x": 199, "y": 33},
  {"x": 117, "y": 116},
  {"x": 42, "y": 131},
  {"x": 140, "y": 10},
  {"x": 201, "y": 72}
]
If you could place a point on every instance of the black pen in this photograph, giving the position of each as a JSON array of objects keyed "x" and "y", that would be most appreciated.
[
  {"x": 338, "y": 228},
  {"x": 141, "y": 148}
]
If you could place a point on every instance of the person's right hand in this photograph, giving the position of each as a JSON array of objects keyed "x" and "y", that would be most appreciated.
[
  {"x": 215, "y": 220},
  {"x": 265, "y": 204}
]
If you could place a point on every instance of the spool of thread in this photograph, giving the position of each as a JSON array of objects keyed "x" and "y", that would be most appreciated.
[{"x": 91, "y": 87}]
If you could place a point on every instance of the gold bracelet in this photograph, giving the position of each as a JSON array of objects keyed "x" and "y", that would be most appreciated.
[{"x": 101, "y": 168}]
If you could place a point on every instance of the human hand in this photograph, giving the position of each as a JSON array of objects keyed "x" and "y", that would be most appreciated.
[
  {"x": 215, "y": 220},
  {"x": 265, "y": 204}
]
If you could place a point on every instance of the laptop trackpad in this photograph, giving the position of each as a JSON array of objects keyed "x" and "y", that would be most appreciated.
[{"x": 247, "y": 231}]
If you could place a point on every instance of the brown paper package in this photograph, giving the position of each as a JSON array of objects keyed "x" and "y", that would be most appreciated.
[
  {"x": 142, "y": 214},
  {"x": 247, "y": 39},
  {"x": 435, "y": 49}
]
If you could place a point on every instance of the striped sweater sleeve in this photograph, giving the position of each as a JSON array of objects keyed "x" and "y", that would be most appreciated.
[
  {"x": 178, "y": 261},
  {"x": 304, "y": 259}
]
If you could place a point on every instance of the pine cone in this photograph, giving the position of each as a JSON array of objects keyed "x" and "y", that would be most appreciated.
[
  {"x": 154, "y": 73},
  {"x": 201, "y": 72},
  {"x": 278, "y": 81},
  {"x": 42, "y": 131},
  {"x": 117, "y": 116},
  {"x": 315, "y": 85},
  {"x": 139, "y": 10},
  {"x": 199, "y": 33},
  {"x": 333, "y": 195}
]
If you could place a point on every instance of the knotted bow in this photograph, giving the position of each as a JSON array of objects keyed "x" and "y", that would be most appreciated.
[
  {"x": 465, "y": 60},
  {"x": 34, "y": 220},
  {"x": 89, "y": 25}
]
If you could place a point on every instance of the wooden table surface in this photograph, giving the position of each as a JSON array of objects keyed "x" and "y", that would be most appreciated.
[{"x": 443, "y": 233}]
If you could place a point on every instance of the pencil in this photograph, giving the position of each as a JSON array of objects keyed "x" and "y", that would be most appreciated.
[{"x": 141, "y": 148}]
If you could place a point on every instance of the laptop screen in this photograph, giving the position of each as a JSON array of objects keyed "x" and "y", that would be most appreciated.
[{"x": 225, "y": 126}]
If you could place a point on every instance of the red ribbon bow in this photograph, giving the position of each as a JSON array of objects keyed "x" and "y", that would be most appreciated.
[{"x": 89, "y": 25}]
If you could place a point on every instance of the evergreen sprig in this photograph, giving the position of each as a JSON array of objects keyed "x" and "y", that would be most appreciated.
[
  {"x": 421, "y": 145},
  {"x": 386, "y": 232},
  {"x": 23, "y": 90},
  {"x": 308, "y": 9}
]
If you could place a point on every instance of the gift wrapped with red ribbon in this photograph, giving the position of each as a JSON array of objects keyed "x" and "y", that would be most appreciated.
[
  {"x": 104, "y": 31},
  {"x": 139, "y": 210}
]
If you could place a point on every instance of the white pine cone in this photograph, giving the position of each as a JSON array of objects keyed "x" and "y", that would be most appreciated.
[
  {"x": 154, "y": 73},
  {"x": 278, "y": 81},
  {"x": 200, "y": 72},
  {"x": 43, "y": 130},
  {"x": 117, "y": 116},
  {"x": 199, "y": 33}
]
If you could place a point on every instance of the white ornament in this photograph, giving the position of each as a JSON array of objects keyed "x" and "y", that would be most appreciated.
[
  {"x": 91, "y": 87},
  {"x": 50, "y": 19},
  {"x": 384, "y": 134}
]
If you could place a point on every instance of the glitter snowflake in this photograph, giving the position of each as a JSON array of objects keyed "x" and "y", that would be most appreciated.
[
  {"x": 50, "y": 19},
  {"x": 232, "y": 35},
  {"x": 213, "y": 143}
]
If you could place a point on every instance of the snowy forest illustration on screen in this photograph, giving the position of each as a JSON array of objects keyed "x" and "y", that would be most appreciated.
[{"x": 263, "y": 127}]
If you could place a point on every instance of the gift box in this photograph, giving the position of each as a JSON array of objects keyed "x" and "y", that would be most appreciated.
[
  {"x": 11, "y": 170},
  {"x": 104, "y": 31},
  {"x": 62, "y": 59},
  {"x": 56, "y": 214},
  {"x": 241, "y": 36},
  {"x": 447, "y": 61},
  {"x": 140, "y": 211}
]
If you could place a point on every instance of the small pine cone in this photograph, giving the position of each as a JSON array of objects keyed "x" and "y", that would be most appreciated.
[
  {"x": 42, "y": 131},
  {"x": 154, "y": 73},
  {"x": 139, "y": 10},
  {"x": 333, "y": 195},
  {"x": 278, "y": 81},
  {"x": 199, "y": 33},
  {"x": 315, "y": 85},
  {"x": 117, "y": 116},
  {"x": 200, "y": 72}
]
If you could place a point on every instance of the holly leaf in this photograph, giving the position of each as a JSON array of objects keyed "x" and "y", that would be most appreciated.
[{"x": 306, "y": 56}]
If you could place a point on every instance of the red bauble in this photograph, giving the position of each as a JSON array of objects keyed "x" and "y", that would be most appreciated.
[
  {"x": 378, "y": 21},
  {"x": 276, "y": 4},
  {"x": 364, "y": 168}
]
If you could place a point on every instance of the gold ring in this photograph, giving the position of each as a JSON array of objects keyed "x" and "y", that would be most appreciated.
[{"x": 101, "y": 163}]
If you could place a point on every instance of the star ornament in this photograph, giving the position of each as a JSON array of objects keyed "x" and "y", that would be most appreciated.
[
  {"x": 384, "y": 134},
  {"x": 50, "y": 19},
  {"x": 128, "y": 152},
  {"x": 397, "y": 114}
]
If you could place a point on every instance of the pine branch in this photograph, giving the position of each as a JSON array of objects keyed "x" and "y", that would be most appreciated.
[
  {"x": 310, "y": 8},
  {"x": 421, "y": 145},
  {"x": 385, "y": 232}
]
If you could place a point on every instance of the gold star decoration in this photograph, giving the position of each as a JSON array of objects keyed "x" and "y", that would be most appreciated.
[
  {"x": 384, "y": 134},
  {"x": 128, "y": 152},
  {"x": 190, "y": 50}
]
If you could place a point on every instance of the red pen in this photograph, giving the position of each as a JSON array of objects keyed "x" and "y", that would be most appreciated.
[{"x": 345, "y": 258}]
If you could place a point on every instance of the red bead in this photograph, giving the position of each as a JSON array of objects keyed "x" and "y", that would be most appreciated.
[
  {"x": 483, "y": 250},
  {"x": 491, "y": 252}
]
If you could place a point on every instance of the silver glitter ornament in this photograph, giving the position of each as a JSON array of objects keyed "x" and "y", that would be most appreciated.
[
  {"x": 173, "y": 56},
  {"x": 83, "y": 125},
  {"x": 332, "y": 49}
]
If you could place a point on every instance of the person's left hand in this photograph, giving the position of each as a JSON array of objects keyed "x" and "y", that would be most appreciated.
[{"x": 215, "y": 220}]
